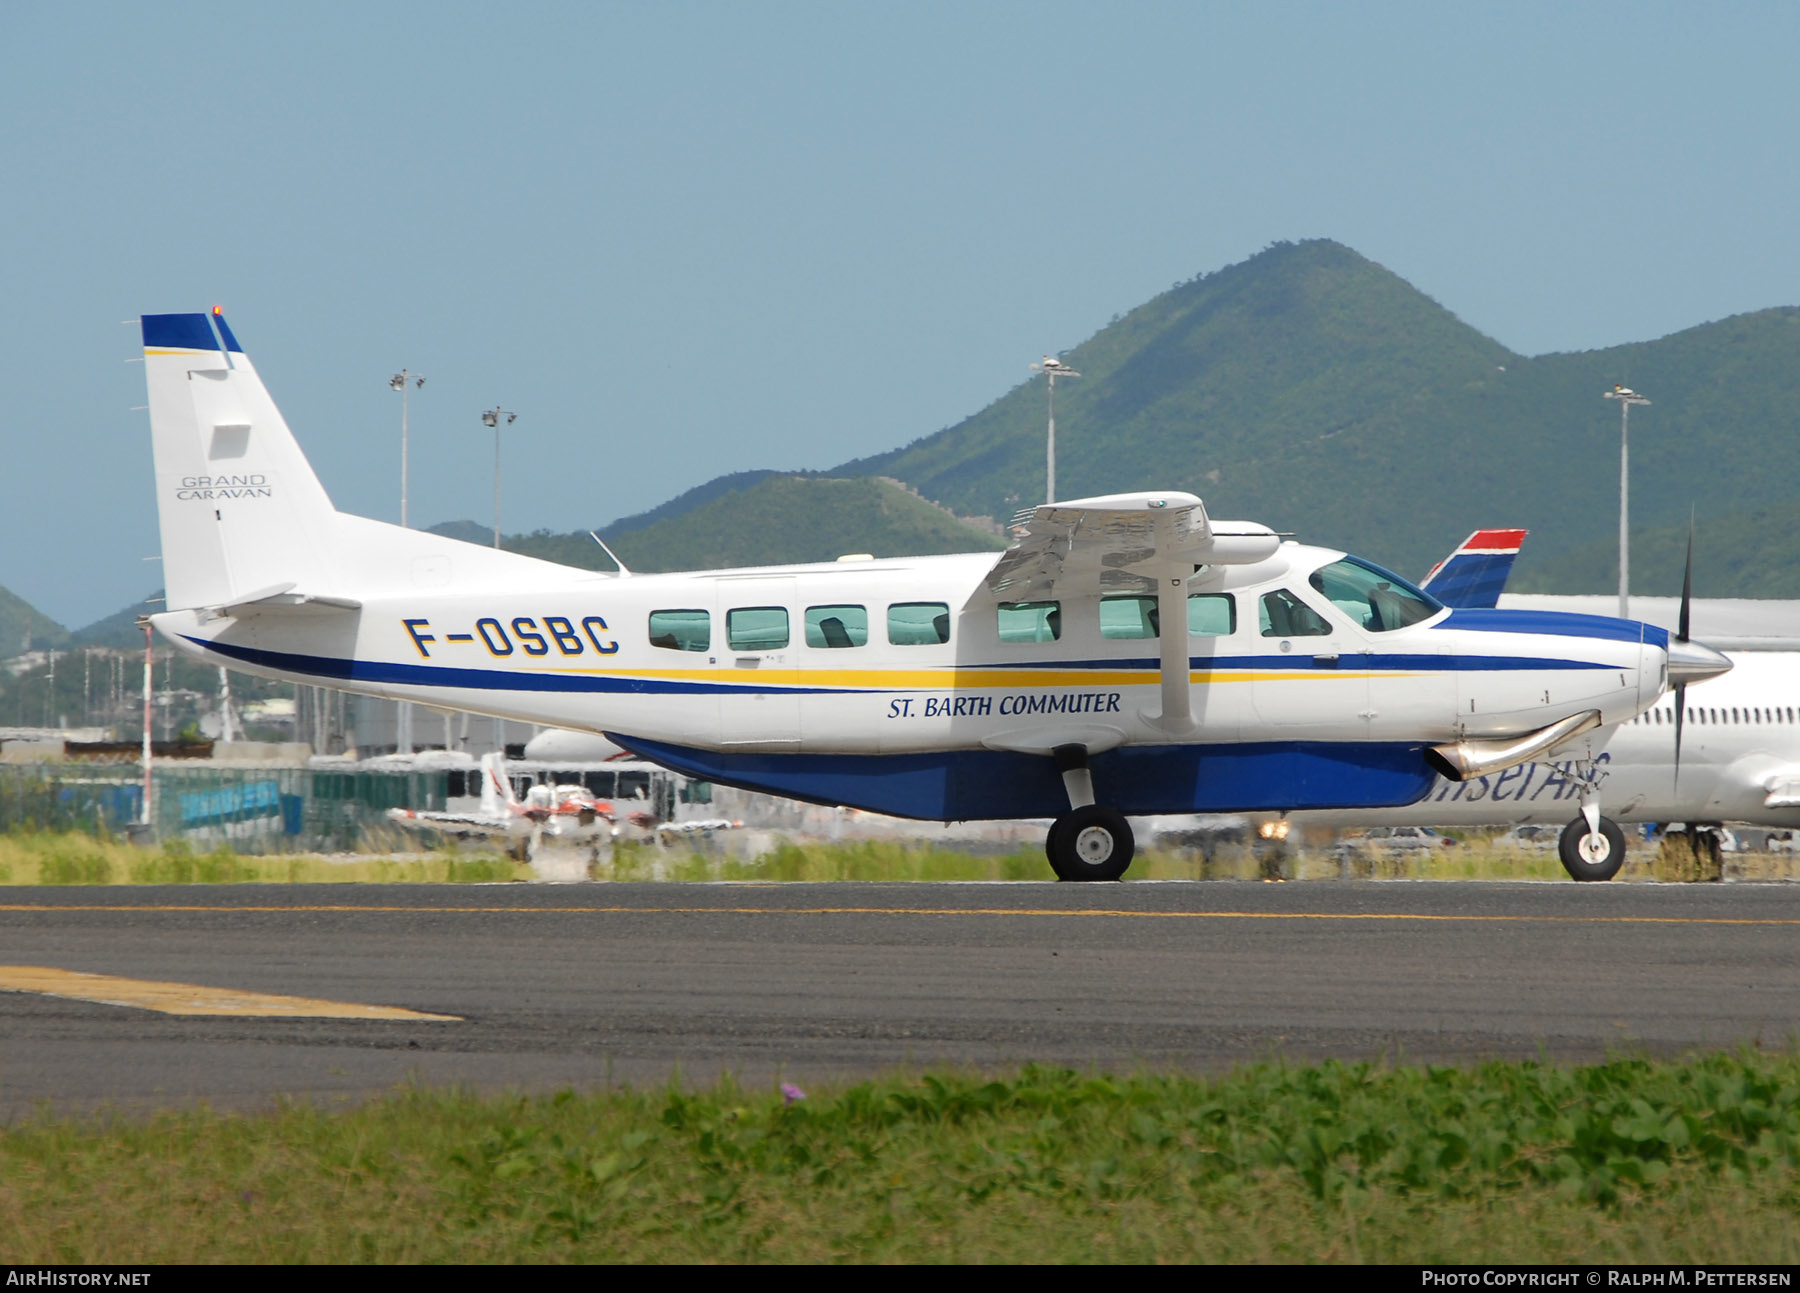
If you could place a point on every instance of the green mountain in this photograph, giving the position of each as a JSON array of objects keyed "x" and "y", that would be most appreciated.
[
  {"x": 23, "y": 627},
  {"x": 1313, "y": 390},
  {"x": 1741, "y": 554},
  {"x": 120, "y": 629},
  {"x": 759, "y": 519}
]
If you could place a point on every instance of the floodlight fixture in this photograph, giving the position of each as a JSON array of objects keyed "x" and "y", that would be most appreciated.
[
  {"x": 491, "y": 418},
  {"x": 400, "y": 382}
]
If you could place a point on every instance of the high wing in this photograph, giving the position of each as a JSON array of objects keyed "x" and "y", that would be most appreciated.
[
  {"x": 1119, "y": 543},
  {"x": 469, "y": 823},
  {"x": 1149, "y": 544}
]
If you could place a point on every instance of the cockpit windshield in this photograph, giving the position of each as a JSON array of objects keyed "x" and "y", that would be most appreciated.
[{"x": 1374, "y": 598}]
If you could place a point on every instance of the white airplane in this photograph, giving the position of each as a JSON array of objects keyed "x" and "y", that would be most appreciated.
[
  {"x": 1038, "y": 684},
  {"x": 563, "y": 815},
  {"x": 555, "y": 815}
]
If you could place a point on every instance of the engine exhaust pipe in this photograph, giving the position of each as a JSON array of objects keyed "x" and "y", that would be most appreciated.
[{"x": 1466, "y": 760}]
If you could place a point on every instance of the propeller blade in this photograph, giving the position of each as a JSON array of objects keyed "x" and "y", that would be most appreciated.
[
  {"x": 1681, "y": 635},
  {"x": 1680, "y": 715},
  {"x": 1687, "y": 583}
]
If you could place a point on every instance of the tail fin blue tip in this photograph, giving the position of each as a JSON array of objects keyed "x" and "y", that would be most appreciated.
[{"x": 189, "y": 332}]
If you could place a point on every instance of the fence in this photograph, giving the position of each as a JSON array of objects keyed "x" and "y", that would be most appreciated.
[{"x": 255, "y": 810}]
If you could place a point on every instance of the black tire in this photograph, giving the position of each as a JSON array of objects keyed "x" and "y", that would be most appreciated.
[
  {"x": 1091, "y": 843},
  {"x": 1591, "y": 862},
  {"x": 1055, "y": 849}
]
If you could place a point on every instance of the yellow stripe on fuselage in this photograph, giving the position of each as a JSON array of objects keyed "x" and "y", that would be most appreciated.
[{"x": 966, "y": 679}]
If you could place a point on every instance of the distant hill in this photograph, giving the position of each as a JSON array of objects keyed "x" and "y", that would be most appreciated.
[
  {"x": 758, "y": 519},
  {"x": 120, "y": 628},
  {"x": 1746, "y": 554},
  {"x": 1315, "y": 391},
  {"x": 23, "y": 627},
  {"x": 699, "y": 496}
]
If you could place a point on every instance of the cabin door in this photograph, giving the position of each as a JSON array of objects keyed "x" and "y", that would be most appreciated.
[
  {"x": 1310, "y": 674},
  {"x": 759, "y": 709}
]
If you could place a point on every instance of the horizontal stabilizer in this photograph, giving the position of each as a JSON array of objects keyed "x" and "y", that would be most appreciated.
[{"x": 281, "y": 598}]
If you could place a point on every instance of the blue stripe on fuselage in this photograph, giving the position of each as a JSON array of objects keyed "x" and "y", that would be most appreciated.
[
  {"x": 1557, "y": 624},
  {"x": 1301, "y": 661},
  {"x": 431, "y": 675}
]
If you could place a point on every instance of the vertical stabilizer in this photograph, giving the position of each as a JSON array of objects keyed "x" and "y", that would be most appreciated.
[
  {"x": 241, "y": 511},
  {"x": 497, "y": 796},
  {"x": 1474, "y": 576}
]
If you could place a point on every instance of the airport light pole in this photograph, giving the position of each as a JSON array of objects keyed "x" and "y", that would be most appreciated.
[
  {"x": 1626, "y": 398},
  {"x": 1052, "y": 369},
  {"x": 491, "y": 417},
  {"x": 401, "y": 381}
]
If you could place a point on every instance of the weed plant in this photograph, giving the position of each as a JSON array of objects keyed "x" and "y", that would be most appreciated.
[{"x": 1630, "y": 1161}]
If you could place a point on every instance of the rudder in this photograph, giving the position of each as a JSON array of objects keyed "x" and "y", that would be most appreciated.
[{"x": 240, "y": 510}]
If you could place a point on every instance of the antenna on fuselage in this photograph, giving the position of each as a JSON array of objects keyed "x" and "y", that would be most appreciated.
[{"x": 609, "y": 552}]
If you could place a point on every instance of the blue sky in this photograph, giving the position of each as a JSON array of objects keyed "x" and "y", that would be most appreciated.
[{"x": 683, "y": 239}]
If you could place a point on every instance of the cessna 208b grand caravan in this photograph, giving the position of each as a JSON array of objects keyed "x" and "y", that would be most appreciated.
[{"x": 1127, "y": 654}]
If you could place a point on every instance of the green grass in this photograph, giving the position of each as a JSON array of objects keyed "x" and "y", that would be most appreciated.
[
  {"x": 1630, "y": 1161},
  {"x": 71, "y": 857}
]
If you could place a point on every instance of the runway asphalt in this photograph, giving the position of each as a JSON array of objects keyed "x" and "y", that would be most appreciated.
[{"x": 585, "y": 985}]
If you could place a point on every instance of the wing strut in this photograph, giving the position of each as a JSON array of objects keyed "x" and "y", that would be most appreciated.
[{"x": 1177, "y": 717}]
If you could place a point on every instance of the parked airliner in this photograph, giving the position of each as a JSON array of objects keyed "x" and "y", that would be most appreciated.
[{"x": 1127, "y": 654}]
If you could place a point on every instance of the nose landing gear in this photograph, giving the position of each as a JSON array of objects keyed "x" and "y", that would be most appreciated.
[{"x": 1592, "y": 853}]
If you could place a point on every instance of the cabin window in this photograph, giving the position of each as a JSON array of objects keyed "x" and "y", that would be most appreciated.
[
  {"x": 1286, "y": 616},
  {"x": 1212, "y": 615},
  {"x": 837, "y": 626},
  {"x": 1030, "y": 621},
  {"x": 1128, "y": 617},
  {"x": 681, "y": 630},
  {"x": 918, "y": 623},
  {"x": 1372, "y": 597},
  {"x": 757, "y": 628}
]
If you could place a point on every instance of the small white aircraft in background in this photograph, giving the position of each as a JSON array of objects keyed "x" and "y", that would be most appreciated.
[
  {"x": 554, "y": 814},
  {"x": 565, "y": 815},
  {"x": 1127, "y": 654}
]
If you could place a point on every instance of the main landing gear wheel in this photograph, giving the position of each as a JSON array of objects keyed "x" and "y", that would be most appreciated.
[
  {"x": 1091, "y": 843},
  {"x": 1592, "y": 857}
]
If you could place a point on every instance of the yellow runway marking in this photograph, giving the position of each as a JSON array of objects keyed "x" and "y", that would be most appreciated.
[
  {"x": 188, "y": 998},
  {"x": 925, "y": 911}
]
